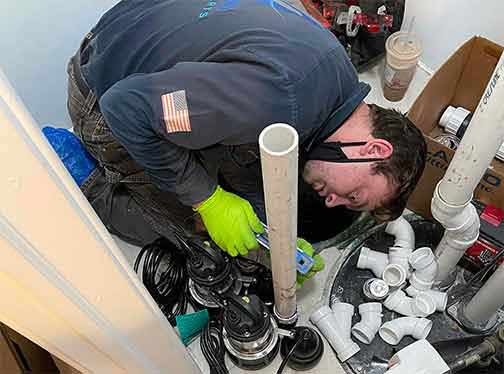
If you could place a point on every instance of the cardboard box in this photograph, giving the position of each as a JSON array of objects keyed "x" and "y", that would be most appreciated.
[{"x": 461, "y": 81}]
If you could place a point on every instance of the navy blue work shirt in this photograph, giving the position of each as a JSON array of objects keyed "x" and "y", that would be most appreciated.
[{"x": 175, "y": 77}]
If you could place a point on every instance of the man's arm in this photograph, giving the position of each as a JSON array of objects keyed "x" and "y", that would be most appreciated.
[{"x": 161, "y": 118}]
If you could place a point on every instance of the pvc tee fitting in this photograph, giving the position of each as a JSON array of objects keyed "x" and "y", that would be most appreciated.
[
  {"x": 372, "y": 260},
  {"x": 403, "y": 233},
  {"x": 426, "y": 268},
  {"x": 335, "y": 325},
  {"x": 422, "y": 305},
  {"x": 440, "y": 298},
  {"x": 393, "y": 331},
  {"x": 371, "y": 320}
]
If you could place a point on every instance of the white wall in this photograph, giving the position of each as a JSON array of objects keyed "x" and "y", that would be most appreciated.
[
  {"x": 443, "y": 25},
  {"x": 38, "y": 37}
]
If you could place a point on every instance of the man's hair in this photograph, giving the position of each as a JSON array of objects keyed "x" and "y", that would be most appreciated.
[{"x": 406, "y": 164}]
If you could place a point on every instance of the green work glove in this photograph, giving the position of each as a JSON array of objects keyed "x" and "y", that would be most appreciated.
[
  {"x": 318, "y": 263},
  {"x": 230, "y": 221}
]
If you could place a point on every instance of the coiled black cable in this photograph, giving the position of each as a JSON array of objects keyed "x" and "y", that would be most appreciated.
[
  {"x": 164, "y": 275},
  {"x": 212, "y": 346}
]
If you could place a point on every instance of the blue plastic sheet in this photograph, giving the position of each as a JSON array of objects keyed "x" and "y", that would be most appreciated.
[{"x": 72, "y": 153}]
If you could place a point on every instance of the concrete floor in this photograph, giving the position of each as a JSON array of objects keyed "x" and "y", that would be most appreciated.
[{"x": 311, "y": 295}]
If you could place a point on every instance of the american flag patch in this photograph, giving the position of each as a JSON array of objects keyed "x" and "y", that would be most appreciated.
[{"x": 176, "y": 112}]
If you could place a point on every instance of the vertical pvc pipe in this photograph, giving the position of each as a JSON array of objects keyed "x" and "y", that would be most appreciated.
[
  {"x": 451, "y": 201},
  {"x": 479, "y": 145},
  {"x": 279, "y": 161},
  {"x": 488, "y": 300}
]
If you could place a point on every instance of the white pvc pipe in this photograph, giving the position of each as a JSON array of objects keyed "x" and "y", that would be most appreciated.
[
  {"x": 371, "y": 320},
  {"x": 461, "y": 231},
  {"x": 372, "y": 260},
  {"x": 488, "y": 300},
  {"x": 479, "y": 144},
  {"x": 279, "y": 162},
  {"x": 440, "y": 298},
  {"x": 474, "y": 154},
  {"x": 403, "y": 233},
  {"x": 336, "y": 329},
  {"x": 393, "y": 331}
]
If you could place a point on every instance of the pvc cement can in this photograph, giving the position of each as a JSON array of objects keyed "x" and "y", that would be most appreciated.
[
  {"x": 455, "y": 120},
  {"x": 403, "y": 51},
  {"x": 375, "y": 289}
]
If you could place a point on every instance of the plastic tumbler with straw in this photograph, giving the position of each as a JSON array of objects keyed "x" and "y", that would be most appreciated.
[{"x": 403, "y": 49}]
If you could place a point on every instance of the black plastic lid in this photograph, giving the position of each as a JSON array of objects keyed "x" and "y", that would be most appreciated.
[
  {"x": 246, "y": 318},
  {"x": 308, "y": 352}
]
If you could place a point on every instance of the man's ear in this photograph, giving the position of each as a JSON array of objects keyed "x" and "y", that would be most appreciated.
[{"x": 377, "y": 148}]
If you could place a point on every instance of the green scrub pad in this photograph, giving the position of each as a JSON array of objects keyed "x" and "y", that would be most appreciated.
[{"x": 190, "y": 325}]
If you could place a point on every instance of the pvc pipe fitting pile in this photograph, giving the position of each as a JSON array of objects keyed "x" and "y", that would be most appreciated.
[{"x": 416, "y": 303}]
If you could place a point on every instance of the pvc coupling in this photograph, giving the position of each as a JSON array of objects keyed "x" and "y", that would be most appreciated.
[
  {"x": 393, "y": 331},
  {"x": 335, "y": 325},
  {"x": 371, "y": 320},
  {"x": 372, "y": 260}
]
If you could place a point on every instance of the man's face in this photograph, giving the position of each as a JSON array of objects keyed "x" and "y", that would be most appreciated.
[{"x": 350, "y": 184}]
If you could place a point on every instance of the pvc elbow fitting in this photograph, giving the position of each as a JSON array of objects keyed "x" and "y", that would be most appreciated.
[
  {"x": 397, "y": 271},
  {"x": 372, "y": 260},
  {"x": 425, "y": 264},
  {"x": 420, "y": 284},
  {"x": 371, "y": 320},
  {"x": 440, "y": 298},
  {"x": 394, "y": 275},
  {"x": 393, "y": 331},
  {"x": 335, "y": 326},
  {"x": 422, "y": 305},
  {"x": 403, "y": 233}
]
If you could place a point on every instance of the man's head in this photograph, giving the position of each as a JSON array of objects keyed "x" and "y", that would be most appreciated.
[{"x": 383, "y": 186}]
